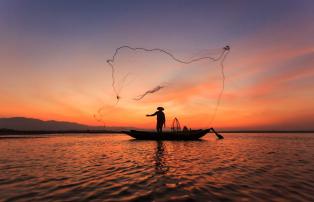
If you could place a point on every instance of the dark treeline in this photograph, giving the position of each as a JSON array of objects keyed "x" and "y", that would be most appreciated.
[{"x": 30, "y": 132}]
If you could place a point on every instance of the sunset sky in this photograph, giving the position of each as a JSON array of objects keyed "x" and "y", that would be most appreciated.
[{"x": 53, "y": 62}]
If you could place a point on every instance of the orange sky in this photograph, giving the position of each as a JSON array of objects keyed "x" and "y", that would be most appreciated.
[{"x": 62, "y": 74}]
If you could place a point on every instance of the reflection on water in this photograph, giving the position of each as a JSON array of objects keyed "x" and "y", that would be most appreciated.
[
  {"x": 160, "y": 164},
  {"x": 248, "y": 167}
]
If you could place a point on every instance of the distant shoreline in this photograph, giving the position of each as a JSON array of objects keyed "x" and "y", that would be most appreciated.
[
  {"x": 267, "y": 131},
  {"x": 39, "y": 132}
]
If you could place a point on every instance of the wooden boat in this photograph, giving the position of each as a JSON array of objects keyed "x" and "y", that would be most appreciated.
[{"x": 167, "y": 135}]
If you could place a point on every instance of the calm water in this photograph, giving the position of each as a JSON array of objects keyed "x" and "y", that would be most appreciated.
[{"x": 242, "y": 167}]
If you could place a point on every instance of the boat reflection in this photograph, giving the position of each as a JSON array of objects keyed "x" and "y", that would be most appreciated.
[{"x": 160, "y": 160}]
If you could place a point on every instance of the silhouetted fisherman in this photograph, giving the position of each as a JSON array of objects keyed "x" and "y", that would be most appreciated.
[{"x": 161, "y": 119}]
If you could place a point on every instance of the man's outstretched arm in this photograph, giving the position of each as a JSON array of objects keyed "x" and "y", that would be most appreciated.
[{"x": 154, "y": 114}]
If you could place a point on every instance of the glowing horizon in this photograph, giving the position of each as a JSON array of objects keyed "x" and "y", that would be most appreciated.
[{"x": 53, "y": 61}]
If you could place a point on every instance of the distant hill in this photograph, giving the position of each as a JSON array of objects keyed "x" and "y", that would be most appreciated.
[{"x": 26, "y": 124}]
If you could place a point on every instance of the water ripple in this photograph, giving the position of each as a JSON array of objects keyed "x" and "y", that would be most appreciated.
[{"x": 242, "y": 167}]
